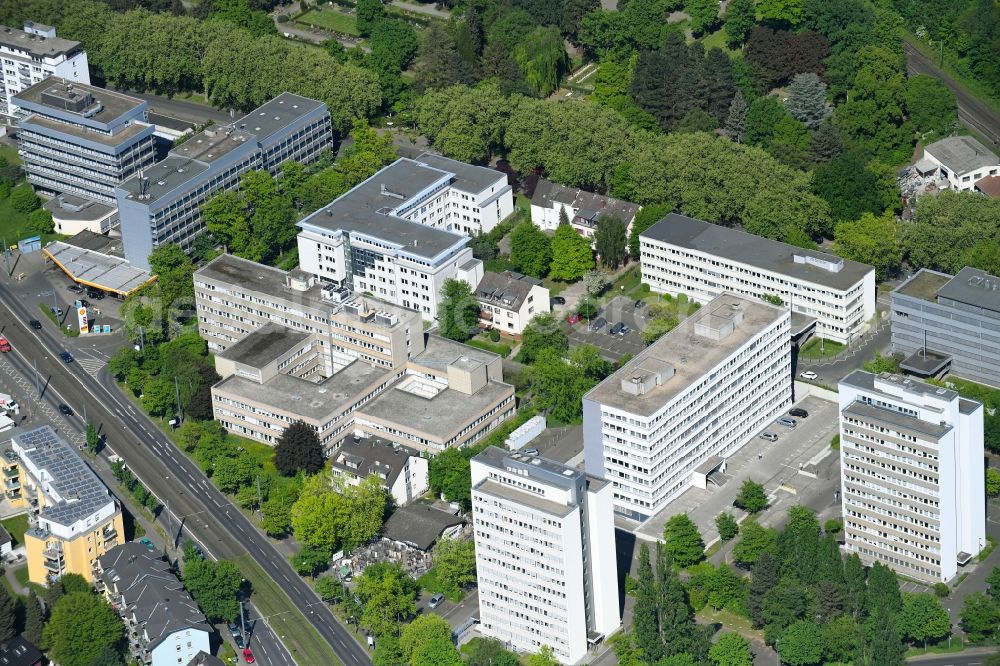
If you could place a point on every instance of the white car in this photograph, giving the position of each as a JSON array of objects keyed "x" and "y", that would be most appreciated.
[{"x": 808, "y": 374}]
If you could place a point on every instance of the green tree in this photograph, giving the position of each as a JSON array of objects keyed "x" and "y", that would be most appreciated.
[
  {"x": 704, "y": 15},
  {"x": 596, "y": 282},
  {"x": 761, "y": 119},
  {"x": 314, "y": 514},
  {"x": 488, "y": 652},
  {"x": 310, "y": 561},
  {"x": 727, "y": 526},
  {"x": 544, "y": 657},
  {"x": 840, "y": 637},
  {"x": 214, "y": 586},
  {"x": 230, "y": 474},
  {"x": 572, "y": 256},
  {"x": 365, "y": 507},
  {"x": 422, "y": 630},
  {"x": 807, "y": 100},
  {"x": 465, "y": 123},
  {"x": 34, "y": 619},
  {"x": 81, "y": 626},
  {"x": 884, "y": 645},
  {"x": 438, "y": 63},
  {"x": 930, "y": 105},
  {"x": 611, "y": 241},
  {"x": 23, "y": 199},
  {"x": 644, "y": 219},
  {"x": 801, "y": 644},
  {"x": 437, "y": 652},
  {"x": 682, "y": 541},
  {"x": 731, "y": 650},
  {"x": 741, "y": 17},
  {"x": 751, "y": 497},
  {"x": 736, "y": 121},
  {"x": 542, "y": 332},
  {"x": 948, "y": 226},
  {"x": 542, "y": 57},
  {"x": 645, "y": 628},
  {"x": 881, "y": 364},
  {"x": 754, "y": 541},
  {"x": 276, "y": 519},
  {"x": 558, "y": 386},
  {"x": 530, "y": 250},
  {"x": 388, "y": 652},
  {"x": 459, "y": 310},
  {"x": 852, "y": 187},
  {"x": 992, "y": 482},
  {"x": 225, "y": 217},
  {"x": 387, "y": 595},
  {"x": 329, "y": 589},
  {"x": 298, "y": 449},
  {"x": 455, "y": 562},
  {"x": 980, "y": 616},
  {"x": 8, "y": 615},
  {"x": 369, "y": 13},
  {"x": 923, "y": 618},
  {"x": 784, "y": 604},
  {"x": 781, "y": 12},
  {"x": 765, "y": 575},
  {"x": 93, "y": 439}
]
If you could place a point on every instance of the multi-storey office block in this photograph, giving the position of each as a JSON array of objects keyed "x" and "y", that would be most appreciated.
[
  {"x": 80, "y": 140},
  {"x": 949, "y": 324},
  {"x": 163, "y": 203},
  {"x": 681, "y": 255},
  {"x": 695, "y": 396},
  {"x": 545, "y": 554},
  {"x": 911, "y": 461},
  {"x": 32, "y": 55}
]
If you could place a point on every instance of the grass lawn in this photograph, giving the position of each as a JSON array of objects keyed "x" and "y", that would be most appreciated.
[
  {"x": 956, "y": 644},
  {"x": 71, "y": 331},
  {"x": 819, "y": 348},
  {"x": 737, "y": 623},
  {"x": 430, "y": 583},
  {"x": 717, "y": 39},
  {"x": 16, "y": 527},
  {"x": 555, "y": 287},
  {"x": 299, "y": 636},
  {"x": 331, "y": 20},
  {"x": 495, "y": 347},
  {"x": 630, "y": 280},
  {"x": 9, "y": 153},
  {"x": 194, "y": 97}
]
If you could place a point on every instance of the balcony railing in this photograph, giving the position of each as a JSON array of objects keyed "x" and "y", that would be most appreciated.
[
  {"x": 12, "y": 472},
  {"x": 53, "y": 566},
  {"x": 109, "y": 534}
]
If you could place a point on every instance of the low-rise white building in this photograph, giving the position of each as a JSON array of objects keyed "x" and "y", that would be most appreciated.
[
  {"x": 911, "y": 461},
  {"x": 961, "y": 160},
  {"x": 35, "y": 53},
  {"x": 545, "y": 554},
  {"x": 695, "y": 396},
  {"x": 681, "y": 255},
  {"x": 402, "y": 471},
  {"x": 582, "y": 209},
  {"x": 508, "y": 301}
]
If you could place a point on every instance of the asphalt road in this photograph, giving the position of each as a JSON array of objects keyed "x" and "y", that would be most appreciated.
[
  {"x": 958, "y": 659},
  {"x": 974, "y": 114},
  {"x": 194, "y": 503},
  {"x": 178, "y": 108}
]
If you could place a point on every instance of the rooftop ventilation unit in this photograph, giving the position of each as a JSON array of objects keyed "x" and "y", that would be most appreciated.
[{"x": 386, "y": 192}]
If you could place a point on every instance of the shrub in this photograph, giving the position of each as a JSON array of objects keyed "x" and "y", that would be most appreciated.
[
  {"x": 23, "y": 199},
  {"x": 494, "y": 335},
  {"x": 941, "y": 589},
  {"x": 833, "y": 526}
]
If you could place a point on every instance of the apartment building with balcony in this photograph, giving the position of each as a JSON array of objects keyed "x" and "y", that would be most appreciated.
[
  {"x": 681, "y": 255},
  {"x": 163, "y": 624},
  {"x": 82, "y": 141},
  {"x": 911, "y": 461},
  {"x": 73, "y": 517},
  {"x": 400, "y": 234},
  {"x": 163, "y": 203},
  {"x": 33, "y": 54},
  {"x": 545, "y": 554},
  {"x": 687, "y": 402},
  {"x": 948, "y": 324},
  {"x": 509, "y": 300}
]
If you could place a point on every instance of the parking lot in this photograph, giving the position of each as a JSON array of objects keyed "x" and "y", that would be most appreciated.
[{"x": 613, "y": 347}]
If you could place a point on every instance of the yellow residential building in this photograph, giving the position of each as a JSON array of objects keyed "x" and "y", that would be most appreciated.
[{"x": 73, "y": 517}]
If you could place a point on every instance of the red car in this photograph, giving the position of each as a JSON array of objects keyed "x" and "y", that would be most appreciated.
[
  {"x": 573, "y": 319},
  {"x": 248, "y": 655},
  {"x": 4, "y": 345}
]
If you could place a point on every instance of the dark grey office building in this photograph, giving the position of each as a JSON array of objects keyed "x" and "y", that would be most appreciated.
[{"x": 949, "y": 324}]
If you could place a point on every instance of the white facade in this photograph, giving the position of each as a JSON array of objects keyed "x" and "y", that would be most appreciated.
[
  {"x": 545, "y": 554},
  {"x": 477, "y": 199},
  {"x": 582, "y": 209},
  {"x": 701, "y": 391},
  {"x": 35, "y": 53},
  {"x": 180, "y": 647},
  {"x": 680, "y": 255},
  {"x": 962, "y": 161},
  {"x": 911, "y": 460},
  {"x": 508, "y": 301}
]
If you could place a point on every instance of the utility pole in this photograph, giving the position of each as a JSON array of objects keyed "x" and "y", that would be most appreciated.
[
  {"x": 6, "y": 256},
  {"x": 170, "y": 526},
  {"x": 38, "y": 390},
  {"x": 259, "y": 498},
  {"x": 177, "y": 394}
]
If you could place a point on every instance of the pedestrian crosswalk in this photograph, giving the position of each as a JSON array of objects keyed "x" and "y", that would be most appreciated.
[{"x": 92, "y": 366}]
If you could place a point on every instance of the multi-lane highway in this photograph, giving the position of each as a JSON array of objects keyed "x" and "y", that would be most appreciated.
[{"x": 205, "y": 513}]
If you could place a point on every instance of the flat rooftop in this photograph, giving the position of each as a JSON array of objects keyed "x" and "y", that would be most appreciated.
[
  {"x": 60, "y": 94},
  {"x": 263, "y": 345},
  {"x": 441, "y": 416},
  {"x": 763, "y": 253},
  {"x": 973, "y": 287},
  {"x": 468, "y": 177},
  {"x": 868, "y": 381},
  {"x": 962, "y": 154},
  {"x": 277, "y": 114},
  {"x": 212, "y": 144},
  {"x": 95, "y": 269},
  {"x": 897, "y": 419},
  {"x": 925, "y": 362},
  {"x": 441, "y": 352},
  {"x": 83, "y": 132},
  {"x": 306, "y": 399},
  {"x": 543, "y": 470},
  {"x": 75, "y": 491},
  {"x": 370, "y": 209},
  {"x": 68, "y": 206},
  {"x": 690, "y": 355},
  {"x": 37, "y": 45},
  {"x": 924, "y": 284}
]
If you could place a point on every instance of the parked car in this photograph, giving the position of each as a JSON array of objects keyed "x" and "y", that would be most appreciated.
[
  {"x": 598, "y": 324},
  {"x": 56, "y": 311},
  {"x": 75, "y": 288},
  {"x": 4, "y": 344},
  {"x": 769, "y": 436},
  {"x": 573, "y": 319},
  {"x": 640, "y": 304},
  {"x": 557, "y": 300},
  {"x": 435, "y": 601},
  {"x": 787, "y": 422},
  {"x": 248, "y": 656},
  {"x": 238, "y": 639},
  {"x": 96, "y": 294},
  {"x": 148, "y": 543},
  {"x": 84, "y": 302},
  {"x": 66, "y": 356},
  {"x": 808, "y": 374},
  {"x": 234, "y": 629},
  {"x": 35, "y": 324},
  {"x": 799, "y": 412},
  {"x": 616, "y": 329},
  {"x": 65, "y": 409},
  {"x": 530, "y": 452}
]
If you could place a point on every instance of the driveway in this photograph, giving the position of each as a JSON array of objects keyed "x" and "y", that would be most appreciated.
[{"x": 613, "y": 347}]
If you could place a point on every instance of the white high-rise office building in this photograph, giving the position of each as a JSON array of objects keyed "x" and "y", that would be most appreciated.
[
  {"x": 28, "y": 56},
  {"x": 675, "y": 412},
  {"x": 545, "y": 554},
  {"x": 911, "y": 461}
]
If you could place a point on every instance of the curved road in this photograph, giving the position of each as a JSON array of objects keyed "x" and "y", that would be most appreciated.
[
  {"x": 203, "y": 510},
  {"x": 974, "y": 114}
]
